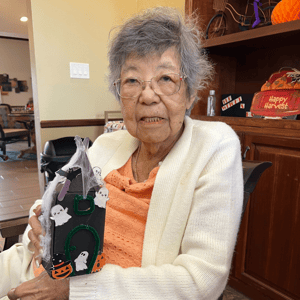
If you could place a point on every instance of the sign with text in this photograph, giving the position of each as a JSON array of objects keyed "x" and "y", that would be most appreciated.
[
  {"x": 236, "y": 105},
  {"x": 276, "y": 103}
]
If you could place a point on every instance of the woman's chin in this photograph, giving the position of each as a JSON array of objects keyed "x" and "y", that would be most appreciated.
[
  {"x": 154, "y": 136},
  {"x": 153, "y": 129}
]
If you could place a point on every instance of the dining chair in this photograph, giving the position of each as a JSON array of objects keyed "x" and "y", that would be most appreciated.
[
  {"x": 2, "y": 145},
  {"x": 114, "y": 124},
  {"x": 10, "y": 129}
]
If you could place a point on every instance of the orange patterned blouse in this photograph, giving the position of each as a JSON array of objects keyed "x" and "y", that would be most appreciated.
[{"x": 126, "y": 216}]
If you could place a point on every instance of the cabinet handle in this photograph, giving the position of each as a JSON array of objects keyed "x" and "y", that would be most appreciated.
[{"x": 246, "y": 150}]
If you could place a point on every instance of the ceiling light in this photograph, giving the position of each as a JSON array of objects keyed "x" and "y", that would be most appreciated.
[{"x": 24, "y": 19}]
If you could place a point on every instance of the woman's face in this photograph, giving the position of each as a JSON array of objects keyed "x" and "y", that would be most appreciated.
[{"x": 152, "y": 118}]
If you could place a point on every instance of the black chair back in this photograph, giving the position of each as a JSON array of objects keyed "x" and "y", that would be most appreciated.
[
  {"x": 56, "y": 154},
  {"x": 252, "y": 171}
]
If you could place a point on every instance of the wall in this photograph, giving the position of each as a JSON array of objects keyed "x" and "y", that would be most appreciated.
[
  {"x": 144, "y": 4},
  {"x": 14, "y": 61},
  {"x": 64, "y": 31},
  {"x": 67, "y": 31}
]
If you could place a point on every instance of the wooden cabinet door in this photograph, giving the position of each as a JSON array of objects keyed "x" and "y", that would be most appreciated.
[{"x": 267, "y": 259}]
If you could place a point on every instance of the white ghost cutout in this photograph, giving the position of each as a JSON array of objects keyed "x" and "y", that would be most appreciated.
[
  {"x": 81, "y": 261},
  {"x": 59, "y": 215},
  {"x": 101, "y": 197},
  {"x": 97, "y": 173}
]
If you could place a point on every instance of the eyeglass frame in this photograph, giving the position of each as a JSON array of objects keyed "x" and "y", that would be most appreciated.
[{"x": 182, "y": 77}]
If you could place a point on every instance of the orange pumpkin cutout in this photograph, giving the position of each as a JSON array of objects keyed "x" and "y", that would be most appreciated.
[
  {"x": 61, "y": 268},
  {"x": 37, "y": 271},
  {"x": 60, "y": 272},
  {"x": 99, "y": 263}
]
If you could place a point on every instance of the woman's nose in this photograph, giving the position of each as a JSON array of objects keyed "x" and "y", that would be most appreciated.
[{"x": 148, "y": 96}]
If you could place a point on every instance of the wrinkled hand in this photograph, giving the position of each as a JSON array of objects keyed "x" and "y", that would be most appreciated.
[
  {"x": 35, "y": 233},
  {"x": 42, "y": 287}
]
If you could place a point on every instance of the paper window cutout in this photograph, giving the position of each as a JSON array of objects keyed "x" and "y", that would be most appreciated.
[{"x": 89, "y": 210}]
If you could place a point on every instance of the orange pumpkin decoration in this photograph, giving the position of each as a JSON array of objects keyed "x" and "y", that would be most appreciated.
[
  {"x": 61, "y": 268},
  {"x": 279, "y": 96},
  {"x": 285, "y": 11},
  {"x": 282, "y": 80},
  {"x": 37, "y": 270},
  {"x": 99, "y": 263},
  {"x": 62, "y": 271}
]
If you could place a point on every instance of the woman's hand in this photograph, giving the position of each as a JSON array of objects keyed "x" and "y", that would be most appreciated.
[
  {"x": 35, "y": 233},
  {"x": 41, "y": 288}
]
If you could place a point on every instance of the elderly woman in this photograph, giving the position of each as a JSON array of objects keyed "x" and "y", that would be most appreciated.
[{"x": 175, "y": 184}]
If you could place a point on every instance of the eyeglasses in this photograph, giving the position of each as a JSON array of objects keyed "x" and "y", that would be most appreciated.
[{"x": 165, "y": 84}]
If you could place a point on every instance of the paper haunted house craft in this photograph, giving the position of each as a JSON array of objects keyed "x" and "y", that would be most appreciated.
[{"x": 73, "y": 218}]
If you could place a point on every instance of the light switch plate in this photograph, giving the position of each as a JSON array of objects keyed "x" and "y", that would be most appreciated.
[{"x": 79, "y": 70}]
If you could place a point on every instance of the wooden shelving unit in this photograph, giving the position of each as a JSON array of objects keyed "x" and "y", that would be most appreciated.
[
  {"x": 266, "y": 262},
  {"x": 244, "y": 60}
]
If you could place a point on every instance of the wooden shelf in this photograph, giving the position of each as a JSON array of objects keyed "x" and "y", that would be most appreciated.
[
  {"x": 280, "y": 32},
  {"x": 253, "y": 122},
  {"x": 288, "y": 128}
]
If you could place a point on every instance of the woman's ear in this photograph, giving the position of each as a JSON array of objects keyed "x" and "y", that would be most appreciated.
[{"x": 191, "y": 100}]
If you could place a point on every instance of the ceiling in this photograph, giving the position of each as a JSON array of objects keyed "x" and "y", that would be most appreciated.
[{"x": 10, "y": 13}]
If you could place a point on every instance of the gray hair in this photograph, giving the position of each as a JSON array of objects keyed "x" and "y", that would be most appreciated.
[{"x": 154, "y": 31}]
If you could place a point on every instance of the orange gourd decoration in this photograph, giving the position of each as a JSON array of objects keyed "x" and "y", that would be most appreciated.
[{"x": 285, "y": 11}]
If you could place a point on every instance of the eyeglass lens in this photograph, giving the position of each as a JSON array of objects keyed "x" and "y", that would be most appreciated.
[{"x": 166, "y": 84}]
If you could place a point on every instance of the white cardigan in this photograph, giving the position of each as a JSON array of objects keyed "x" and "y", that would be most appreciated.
[{"x": 192, "y": 222}]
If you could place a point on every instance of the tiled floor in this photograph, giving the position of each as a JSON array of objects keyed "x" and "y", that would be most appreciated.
[
  {"x": 18, "y": 182},
  {"x": 231, "y": 294},
  {"x": 18, "y": 168},
  {"x": 17, "y": 146}
]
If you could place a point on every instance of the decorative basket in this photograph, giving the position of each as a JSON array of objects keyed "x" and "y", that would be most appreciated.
[
  {"x": 279, "y": 96},
  {"x": 219, "y": 5}
]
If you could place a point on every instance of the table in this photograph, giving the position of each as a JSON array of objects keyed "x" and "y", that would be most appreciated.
[{"x": 10, "y": 230}]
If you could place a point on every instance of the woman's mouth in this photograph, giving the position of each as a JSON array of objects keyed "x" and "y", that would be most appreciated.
[{"x": 151, "y": 120}]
